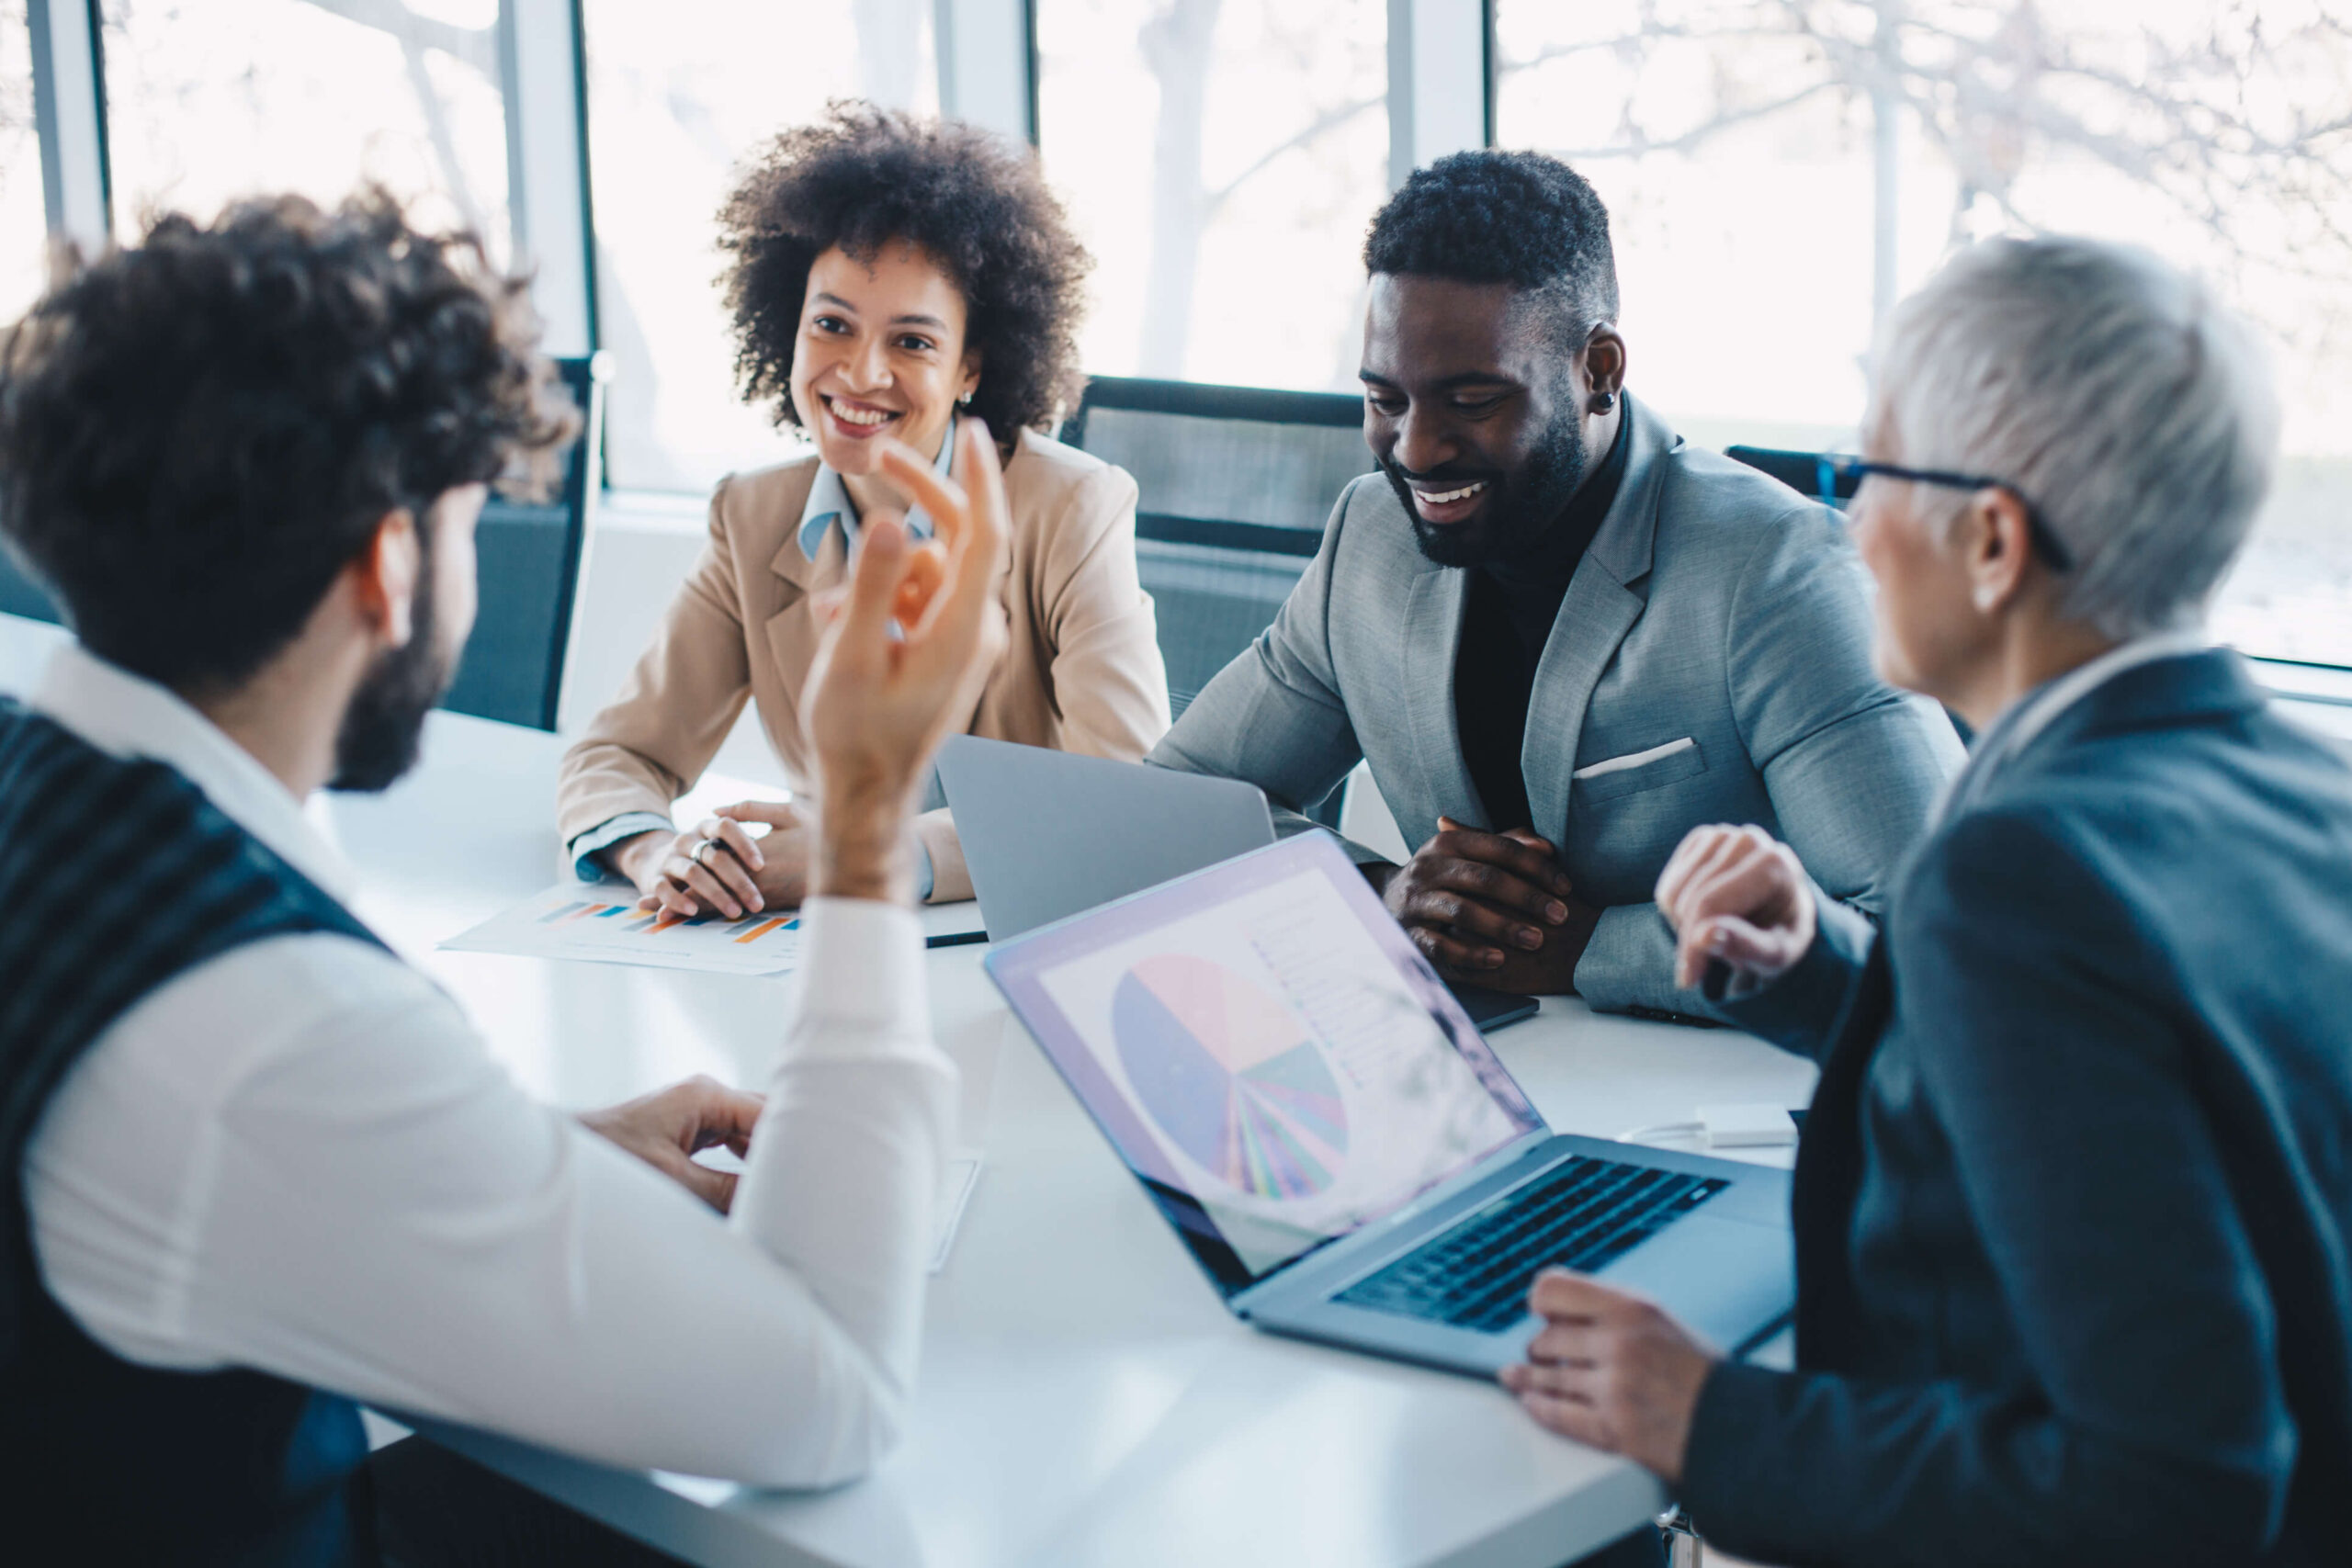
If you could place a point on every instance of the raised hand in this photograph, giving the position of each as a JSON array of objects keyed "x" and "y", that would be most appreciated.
[
  {"x": 1738, "y": 897},
  {"x": 884, "y": 689}
]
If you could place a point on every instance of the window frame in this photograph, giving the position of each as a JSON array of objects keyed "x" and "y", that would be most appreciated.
[{"x": 1443, "y": 72}]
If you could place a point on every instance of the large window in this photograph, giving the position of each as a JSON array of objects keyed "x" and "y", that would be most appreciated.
[
  {"x": 24, "y": 239},
  {"x": 207, "y": 102},
  {"x": 1221, "y": 158},
  {"x": 1778, "y": 173},
  {"x": 678, "y": 95}
]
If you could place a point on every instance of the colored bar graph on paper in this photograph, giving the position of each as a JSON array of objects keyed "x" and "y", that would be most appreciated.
[{"x": 613, "y": 930}]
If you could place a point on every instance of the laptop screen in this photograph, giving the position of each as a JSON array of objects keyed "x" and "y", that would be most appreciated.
[{"x": 1267, "y": 1050}]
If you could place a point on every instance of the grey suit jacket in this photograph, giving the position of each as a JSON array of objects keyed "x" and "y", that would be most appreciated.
[{"x": 1716, "y": 606}]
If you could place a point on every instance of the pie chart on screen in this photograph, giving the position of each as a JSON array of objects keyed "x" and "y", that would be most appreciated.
[{"x": 1230, "y": 1075}]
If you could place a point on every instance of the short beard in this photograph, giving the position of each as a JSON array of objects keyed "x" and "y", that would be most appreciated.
[
  {"x": 383, "y": 729},
  {"x": 1521, "y": 511}
]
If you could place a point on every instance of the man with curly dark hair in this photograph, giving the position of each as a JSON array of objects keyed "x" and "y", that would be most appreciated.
[
  {"x": 887, "y": 273},
  {"x": 253, "y": 1168},
  {"x": 1561, "y": 637}
]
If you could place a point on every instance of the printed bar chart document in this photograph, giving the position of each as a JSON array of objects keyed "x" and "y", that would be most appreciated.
[{"x": 600, "y": 923}]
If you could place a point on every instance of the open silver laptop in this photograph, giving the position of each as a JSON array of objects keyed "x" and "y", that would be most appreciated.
[
  {"x": 1315, "y": 1117},
  {"x": 1047, "y": 834}
]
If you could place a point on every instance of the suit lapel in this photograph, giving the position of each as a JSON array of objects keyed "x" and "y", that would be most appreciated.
[
  {"x": 1601, "y": 605},
  {"x": 793, "y": 632},
  {"x": 1432, "y": 635},
  {"x": 1594, "y": 618}
]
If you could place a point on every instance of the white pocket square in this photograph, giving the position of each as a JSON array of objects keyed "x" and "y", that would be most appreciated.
[{"x": 1634, "y": 758}]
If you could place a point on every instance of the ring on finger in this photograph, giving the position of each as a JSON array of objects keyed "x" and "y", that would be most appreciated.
[{"x": 702, "y": 852}]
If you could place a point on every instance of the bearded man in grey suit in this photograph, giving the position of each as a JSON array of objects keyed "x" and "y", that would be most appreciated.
[{"x": 1561, "y": 638}]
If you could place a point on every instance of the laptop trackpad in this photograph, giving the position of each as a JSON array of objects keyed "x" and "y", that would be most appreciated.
[{"x": 1725, "y": 1280}]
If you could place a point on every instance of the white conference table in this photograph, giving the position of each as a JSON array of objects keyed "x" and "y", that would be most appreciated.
[{"x": 1085, "y": 1399}]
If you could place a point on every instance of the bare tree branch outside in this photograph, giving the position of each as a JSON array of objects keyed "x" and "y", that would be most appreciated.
[{"x": 1873, "y": 136}]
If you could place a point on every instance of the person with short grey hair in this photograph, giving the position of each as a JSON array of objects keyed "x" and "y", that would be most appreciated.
[
  {"x": 2114, "y": 392},
  {"x": 2073, "y": 1204}
]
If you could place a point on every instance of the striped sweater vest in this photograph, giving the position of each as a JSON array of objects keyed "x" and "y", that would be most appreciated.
[{"x": 115, "y": 877}]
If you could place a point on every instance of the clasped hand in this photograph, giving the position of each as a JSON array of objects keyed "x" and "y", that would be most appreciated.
[
  {"x": 1493, "y": 909},
  {"x": 720, "y": 864}
]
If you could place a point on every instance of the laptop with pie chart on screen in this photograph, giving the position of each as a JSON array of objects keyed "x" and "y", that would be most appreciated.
[
  {"x": 1048, "y": 833},
  {"x": 1314, "y": 1116}
]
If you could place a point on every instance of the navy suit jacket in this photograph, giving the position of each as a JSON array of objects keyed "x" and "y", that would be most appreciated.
[{"x": 2074, "y": 1198}]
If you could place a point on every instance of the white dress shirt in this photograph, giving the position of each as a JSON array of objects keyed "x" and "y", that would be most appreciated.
[{"x": 299, "y": 1157}]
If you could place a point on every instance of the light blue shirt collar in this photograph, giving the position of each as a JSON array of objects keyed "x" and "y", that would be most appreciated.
[{"x": 828, "y": 503}]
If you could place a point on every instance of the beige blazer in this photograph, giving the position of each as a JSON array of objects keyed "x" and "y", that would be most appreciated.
[{"x": 1081, "y": 669}]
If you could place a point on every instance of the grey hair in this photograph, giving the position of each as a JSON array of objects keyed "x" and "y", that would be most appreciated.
[{"x": 2129, "y": 407}]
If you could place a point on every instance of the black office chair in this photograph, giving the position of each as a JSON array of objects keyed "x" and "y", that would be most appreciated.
[
  {"x": 530, "y": 555},
  {"x": 1801, "y": 471},
  {"x": 1236, "y": 484},
  {"x": 20, "y": 594}
]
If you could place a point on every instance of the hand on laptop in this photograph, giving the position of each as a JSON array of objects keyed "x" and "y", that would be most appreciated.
[
  {"x": 1493, "y": 909},
  {"x": 1735, "y": 897},
  {"x": 1611, "y": 1371},
  {"x": 882, "y": 695},
  {"x": 668, "y": 1128}
]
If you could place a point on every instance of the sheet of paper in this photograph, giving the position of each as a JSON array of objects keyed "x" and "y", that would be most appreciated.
[{"x": 600, "y": 923}]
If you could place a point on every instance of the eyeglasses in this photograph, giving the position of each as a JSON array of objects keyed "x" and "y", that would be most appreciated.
[{"x": 1829, "y": 470}]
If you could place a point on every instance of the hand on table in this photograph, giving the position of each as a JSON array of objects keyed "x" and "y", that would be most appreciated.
[
  {"x": 884, "y": 688},
  {"x": 1737, "y": 897},
  {"x": 1611, "y": 1371},
  {"x": 1493, "y": 909},
  {"x": 719, "y": 865},
  {"x": 668, "y": 1128}
]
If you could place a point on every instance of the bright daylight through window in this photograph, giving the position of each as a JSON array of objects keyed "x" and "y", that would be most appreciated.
[
  {"x": 207, "y": 102},
  {"x": 1222, "y": 159},
  {"x": 1779, "y": 172},
  {"x": 673, "y": 108},
  {"x": 24, "y": 239}
]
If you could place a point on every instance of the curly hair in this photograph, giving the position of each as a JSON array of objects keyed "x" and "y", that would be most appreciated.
[
  {"x": 196, "y": 435},
  {"x": 1491, "y": 217},
  {"x": 971, "y": 201}
]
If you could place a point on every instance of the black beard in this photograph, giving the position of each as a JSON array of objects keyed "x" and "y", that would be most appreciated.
[
  {"x": 384, "y": 726},
  {"x": 1521, "y": 509}
]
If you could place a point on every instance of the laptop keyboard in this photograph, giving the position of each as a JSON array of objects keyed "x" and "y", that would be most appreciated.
[{"x": 1582, "y": 1215}]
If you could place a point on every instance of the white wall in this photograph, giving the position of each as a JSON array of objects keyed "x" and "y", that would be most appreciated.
[{"x": 642, "y": 549}]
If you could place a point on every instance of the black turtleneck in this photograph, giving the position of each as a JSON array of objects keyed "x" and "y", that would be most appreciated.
[{"x": 1508, "y": 618}]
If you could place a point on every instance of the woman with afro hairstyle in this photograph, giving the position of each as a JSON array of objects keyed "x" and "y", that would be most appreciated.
[{"x": 888, "y": 275}]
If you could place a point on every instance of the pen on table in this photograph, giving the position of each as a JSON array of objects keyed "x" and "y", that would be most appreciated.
[{"x": 955, "y": 939}]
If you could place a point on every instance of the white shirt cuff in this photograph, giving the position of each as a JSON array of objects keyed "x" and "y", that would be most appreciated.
[{"x": 861, "y": 962}]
